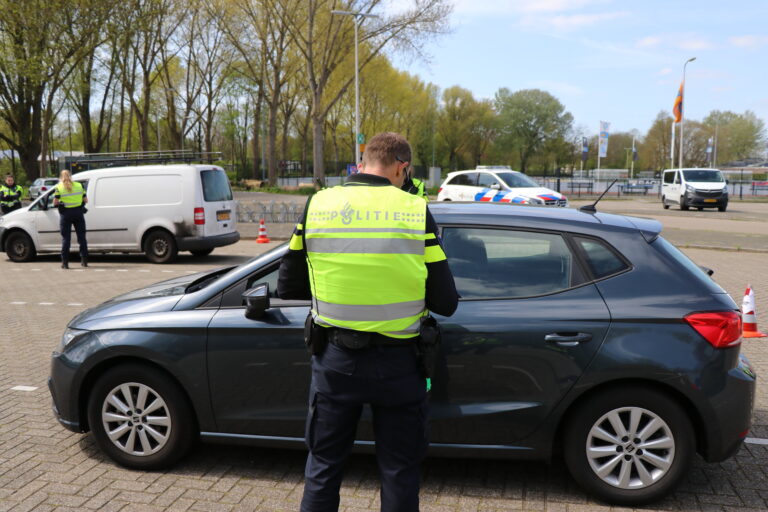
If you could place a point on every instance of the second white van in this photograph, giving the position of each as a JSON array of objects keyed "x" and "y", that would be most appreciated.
[
  {"x": 697, "y": 187},
  {"x": 155, "y": 209}
]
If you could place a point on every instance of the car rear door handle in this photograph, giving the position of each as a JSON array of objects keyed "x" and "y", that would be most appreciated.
[{"x": 568, "y": 339}]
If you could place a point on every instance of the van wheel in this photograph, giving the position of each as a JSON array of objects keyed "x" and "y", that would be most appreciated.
[
  {"x": 629, "y": 446},
  {"x": 19, "y": 247},
  {"x": 160, "y": 247},
  {"x": 202, "y": 252},
  {"x": 664, "y": 203},
  {"x": 722, "y": 208},
  {"x": 683, "y": 204}
]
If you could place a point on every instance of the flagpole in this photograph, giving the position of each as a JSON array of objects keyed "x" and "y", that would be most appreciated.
[
  {"x": 672, "y": 146},
  {"x": 682, "y": 110},
  {"x": 632, "y": 169}
]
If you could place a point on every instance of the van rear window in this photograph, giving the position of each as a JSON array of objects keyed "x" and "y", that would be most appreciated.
[{"x": 215, "y": 186}]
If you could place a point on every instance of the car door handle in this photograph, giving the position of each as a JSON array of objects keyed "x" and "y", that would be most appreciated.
[{"x": 568, "y": 339}]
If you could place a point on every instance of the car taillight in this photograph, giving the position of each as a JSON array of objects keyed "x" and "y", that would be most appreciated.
[
  {"x": 720, "y": 328},
  {"x": 43, "y": 189},
  {"x": 439, "y": 190},
  {"x": 199, "y": 216}
]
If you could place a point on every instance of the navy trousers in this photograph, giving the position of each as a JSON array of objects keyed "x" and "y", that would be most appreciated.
[
  {"x": 69, "y": 217},
  {"x": 343, "y": 381}
]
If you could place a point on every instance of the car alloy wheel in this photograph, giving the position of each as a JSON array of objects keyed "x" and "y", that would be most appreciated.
[
  {"x": 140, "y": 417},
  {"x": 630, "y": 448},
  {"x": 136, "y": 419},
  {"x": 629, "y": 445}
]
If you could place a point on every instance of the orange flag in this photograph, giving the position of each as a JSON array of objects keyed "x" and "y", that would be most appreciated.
[{"x": 677, "y": 108}]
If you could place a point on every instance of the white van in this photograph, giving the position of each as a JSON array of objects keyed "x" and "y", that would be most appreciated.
[
  {"x": 156, "y": 209},
  {"x": 696, "y": 187}
]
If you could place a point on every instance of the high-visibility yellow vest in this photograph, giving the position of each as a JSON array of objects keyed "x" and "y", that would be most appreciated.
[
  {"x": 422, "y": 193},
  {"x": 6, "y": 190},
  {"x": 366, "y": 257},
  {"x": 73, "y": 198}
]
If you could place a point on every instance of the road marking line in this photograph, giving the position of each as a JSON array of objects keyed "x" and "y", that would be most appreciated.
[
  {"x": 191, "y": 271},
  {"x": 141, "y": 270},
  {"x": 78, "y": 270},
  {"x": 18, "y": 303},
  {"x": 75, "y": 304},
  {"x": 100, "y": 270},
  {"x": 23, "y": 388},
  {"x": 122, "y": 270},
  {"x": 167, "y": 271},
  {"x": 756, "y": 440},
  {"x": 46, "y": 303},
  {"x": 35, "y": 269}
]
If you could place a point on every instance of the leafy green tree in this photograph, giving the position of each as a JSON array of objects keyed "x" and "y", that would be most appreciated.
[
  {"x": 528, "y": 120},
  {"x": 739, "y": 136}
]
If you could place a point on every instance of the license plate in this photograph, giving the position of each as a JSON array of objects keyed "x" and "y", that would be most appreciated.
[
  {"x": 222, "y": 215},
  {"x": 710, "y": 200}
]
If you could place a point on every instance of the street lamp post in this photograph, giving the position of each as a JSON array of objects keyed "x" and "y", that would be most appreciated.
[
  {"x": 682, "y": 110},
  {"x": 358, "y": 18}
]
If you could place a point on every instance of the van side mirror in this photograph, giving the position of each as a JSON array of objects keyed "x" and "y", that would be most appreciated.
[{"x": 256, "y": 301}]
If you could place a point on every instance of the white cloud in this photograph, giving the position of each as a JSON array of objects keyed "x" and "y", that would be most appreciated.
[
  {"x": 648, "y": 42},
  {"x": 559, "y": 88},
  {"x": 566, "y": 22},
  {"x": 694, "y": 43},
  {"x": 665, "y": 71},
  {"x": 748, "y": 41}
]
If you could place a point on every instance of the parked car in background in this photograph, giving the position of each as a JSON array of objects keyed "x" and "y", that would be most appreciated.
[
  {"x": 155, "y": 209},
  {"x": 697, "y": 188},
  {"x": 583, "y": 335},
  {"x": 497, "y": 184},
  {"x": 40, "y": 186}
]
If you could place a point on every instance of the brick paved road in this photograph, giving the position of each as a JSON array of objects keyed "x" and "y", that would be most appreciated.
[{"x": 45, "y": 467}]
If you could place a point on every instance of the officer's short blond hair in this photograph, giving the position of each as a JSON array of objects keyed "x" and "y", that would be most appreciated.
[{"x": 387, "y": 148}]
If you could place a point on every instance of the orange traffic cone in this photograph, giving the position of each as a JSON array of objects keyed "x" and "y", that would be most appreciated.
[
  {"x": 748, "y": 316},
  {"x": 263, "y": 238}
]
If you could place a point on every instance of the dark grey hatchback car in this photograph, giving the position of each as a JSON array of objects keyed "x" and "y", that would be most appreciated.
[{"x": 581, "y": 334}]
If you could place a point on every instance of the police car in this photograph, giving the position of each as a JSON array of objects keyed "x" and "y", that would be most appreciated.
[{"x": 497, "y": 184}]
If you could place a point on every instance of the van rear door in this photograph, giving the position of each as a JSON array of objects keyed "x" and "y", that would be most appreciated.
[{"x": 220, "y": 213}]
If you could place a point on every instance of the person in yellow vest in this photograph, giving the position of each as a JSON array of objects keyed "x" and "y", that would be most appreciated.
[
  {"x": 416, "y": 187},
  {"x": 70, "y": 199},
  {"x": 368, "y": 256},
  {"x": 10, "y": 195}
]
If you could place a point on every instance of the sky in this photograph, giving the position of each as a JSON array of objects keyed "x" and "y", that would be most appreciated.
[{"x": 607, "y": 60}]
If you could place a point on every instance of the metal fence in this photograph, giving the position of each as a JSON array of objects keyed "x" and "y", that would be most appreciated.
[{"x": 272, "y": 212}]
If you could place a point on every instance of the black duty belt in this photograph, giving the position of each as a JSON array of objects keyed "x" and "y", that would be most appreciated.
[{"x": 359, "y": 340}]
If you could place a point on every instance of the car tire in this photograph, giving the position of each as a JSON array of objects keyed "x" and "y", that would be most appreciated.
[
  {"x": 664, "y": 203},
  {"x": 596, "y": 450},
  {"x": 160, "y": 247},
  {"x": 202, "y": 252},
  {"x": 19, "y": 247},
  {"x": 160, "y": 437},
  {"x": 722, "y": 208},
  {"x": 683, "y": 204}
]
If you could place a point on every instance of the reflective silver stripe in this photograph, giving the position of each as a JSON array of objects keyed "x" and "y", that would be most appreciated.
[
  {"x": 363, "y": 313},
  {"x": 365, "y": 245},
  {"x": 365, "y": 230},
  {"x": 72, "y": 194},
  {"x": 411, "y": 329}
]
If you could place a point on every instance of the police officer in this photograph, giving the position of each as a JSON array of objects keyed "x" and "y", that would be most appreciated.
[
  {"x": 10, "y": 195},
  {"x": 70, "y": 199},
  {"x": 415, "y": 186},
  {"x": 368, "y": 255}
]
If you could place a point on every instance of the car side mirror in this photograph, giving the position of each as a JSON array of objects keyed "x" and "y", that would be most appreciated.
[
  {"x": 495, "y": 186},
  {"x": 256, "y": 301}
]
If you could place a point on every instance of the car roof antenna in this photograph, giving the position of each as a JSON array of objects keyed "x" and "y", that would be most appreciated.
[{"x": 590, "y": 208}]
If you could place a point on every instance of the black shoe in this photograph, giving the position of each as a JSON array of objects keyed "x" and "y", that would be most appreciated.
[
  {"x": 65, "y": 265},
  {"x": 84, "y": 263}
]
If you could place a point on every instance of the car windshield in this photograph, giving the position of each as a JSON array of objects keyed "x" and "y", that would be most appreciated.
[
  {"x": 703, "y": 176},
  {"x": 516, "y": 180}
]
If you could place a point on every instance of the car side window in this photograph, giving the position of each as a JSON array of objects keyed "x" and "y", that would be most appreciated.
[
  {"x": 233, "y": 296},
  {"x": 486, "y": 180},
  {"x": 669, "y": 177},
  {"x": 499, "y": 263},
  {"x": 467, "y": 179},
  {"x": 601, "y": 259}
]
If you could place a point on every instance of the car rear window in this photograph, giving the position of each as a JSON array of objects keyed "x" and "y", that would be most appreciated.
[
  {"x": 672, "y": 252},
  {"x": 601, "y": 259},
  {"x": 215, "y": 186},
  {"x": 500, "y": 263}
]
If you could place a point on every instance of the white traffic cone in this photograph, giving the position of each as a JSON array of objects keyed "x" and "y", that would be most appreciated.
[{"x": 748, "y": 316}]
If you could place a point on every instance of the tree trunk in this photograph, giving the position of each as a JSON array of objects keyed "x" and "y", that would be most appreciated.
[
  {"x": 255, "y": 146},
  {"x": 272, "y": 142}
]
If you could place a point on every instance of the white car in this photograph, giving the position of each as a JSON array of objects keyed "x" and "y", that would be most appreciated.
[
  {"x": 498, "y": 184},
  {"x": 155, "y": 209}
]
